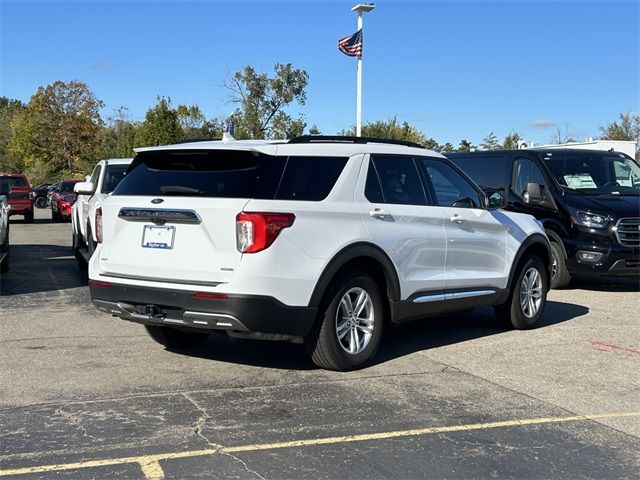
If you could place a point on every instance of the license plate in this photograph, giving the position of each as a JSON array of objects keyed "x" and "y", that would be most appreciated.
[{"x": 158, "y": 237}]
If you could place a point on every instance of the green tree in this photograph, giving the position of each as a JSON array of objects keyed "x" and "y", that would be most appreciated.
[
  {"x": 118, "y": 137},
  {"x": 393, "y": 130},
  {"x": 262, "y": 99},
  {"x": 628, "y": 128},
  {"x": 314, "y": 130},
  {"x": 58, "y": 132},
  {"x": 161, "y": 125},
  {"x": 466, "y": 146},
  {"x": 9, "y": 108},
  {"x": 192, "y": 121},
  {"x": 447, "y": 147},
  {"x": 490, "y": 142},
  {"x": 513, "y": 141}
]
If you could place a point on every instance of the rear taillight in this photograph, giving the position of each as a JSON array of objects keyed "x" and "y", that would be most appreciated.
[
  {"x": 99, "y": 225},
  {"x": 256, "y": 231}
]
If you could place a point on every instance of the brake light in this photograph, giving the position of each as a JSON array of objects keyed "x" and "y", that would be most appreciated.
[
  {"x": 210, "y": 296},
  {"x": 256, "y": 231},
  {"x": 99, "y": 284},
  {"x": 99, "y": 225}
]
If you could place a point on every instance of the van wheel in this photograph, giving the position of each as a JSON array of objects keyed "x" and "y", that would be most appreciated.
[
  {"x": 560, "y": 276},
  {"x": 173, "y": 338},
  {"x": 528, "y": 296},
  {"x": 350, "y": 322}
]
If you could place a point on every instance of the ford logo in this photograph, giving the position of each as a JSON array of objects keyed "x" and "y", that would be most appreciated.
[{"x": 155, "y": 201}]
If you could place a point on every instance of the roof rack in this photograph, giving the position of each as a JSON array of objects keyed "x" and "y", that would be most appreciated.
[{"x": 350, "y": 139}]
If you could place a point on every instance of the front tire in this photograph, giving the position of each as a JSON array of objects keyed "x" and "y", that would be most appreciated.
[
  {"x": 560, "y": 276},
  {"x": 528, "y": 296},
  {"x": 173, "y": 338},
  {"x": 350, "y": 323},
  {"x": 40, "y": 202}
]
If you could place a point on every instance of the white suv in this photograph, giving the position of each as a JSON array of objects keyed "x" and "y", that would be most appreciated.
[
  {"x": 103, "y": 180},
  {"x": 321, "y": 240}
]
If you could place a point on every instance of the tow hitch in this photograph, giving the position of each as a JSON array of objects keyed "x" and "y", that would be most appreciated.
[{"x": 151, "y": 311}]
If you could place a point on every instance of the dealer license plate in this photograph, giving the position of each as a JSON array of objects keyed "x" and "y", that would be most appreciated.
[{"x": 158, "y": 237}]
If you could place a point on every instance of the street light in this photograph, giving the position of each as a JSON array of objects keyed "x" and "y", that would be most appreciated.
[{"x": 360, "y": 9}]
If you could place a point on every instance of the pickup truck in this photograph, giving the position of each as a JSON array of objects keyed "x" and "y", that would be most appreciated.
[
  {"x": 103, "y": 180},
  {"x": 20, "y": 197},
  {"x": 4, "y": 227}
]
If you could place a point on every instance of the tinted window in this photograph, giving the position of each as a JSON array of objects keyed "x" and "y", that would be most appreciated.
[
  {"x": 203, "y": 173},
  {"x": 112, "y": 177},
  {"x": 14, "y": 181},
  {"x": 372, "y": 189},
  {"x": 488, "y": 171},
  {"x": 309, "y": 178},
  {"x": 400, "y": 180},
  {"x": 524, "y": 172},
  {"x": 95, "y": 175},
  {"x": 67, "y": 186},
  {"x": 450, "y": 188}
]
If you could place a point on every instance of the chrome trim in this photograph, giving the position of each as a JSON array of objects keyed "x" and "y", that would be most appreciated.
[
  {"x": 160, "y": 280},
  {"x": 160, "y": 216},
  {"x": 628, "y": 226},
  {"x": 473, "y": 293},
  {"x": 430, "y": 298}
]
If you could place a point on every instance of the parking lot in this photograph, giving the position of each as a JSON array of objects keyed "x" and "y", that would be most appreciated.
[{"x": 86, "y": 395}]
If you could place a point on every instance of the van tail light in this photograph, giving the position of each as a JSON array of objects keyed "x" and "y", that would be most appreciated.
[
  {"x": 99, "y": 225},
  {"x": 256, "y": 231}
]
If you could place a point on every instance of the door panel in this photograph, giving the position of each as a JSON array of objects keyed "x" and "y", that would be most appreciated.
[{"x": 411, "y": 234}]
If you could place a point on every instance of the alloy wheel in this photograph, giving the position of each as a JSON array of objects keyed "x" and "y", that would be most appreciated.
[
  {"x": 355, "y": 320},
  {"x": 531, "y": 292}
]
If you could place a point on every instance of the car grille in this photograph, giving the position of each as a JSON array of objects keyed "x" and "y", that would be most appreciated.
[
  {"x": 628, "y": 232},
  {"x": 19, "y": 196}
]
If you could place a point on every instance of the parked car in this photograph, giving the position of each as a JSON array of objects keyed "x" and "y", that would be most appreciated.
[
  {"x": 587, "y": 200},
  {"x": 62, "y": 200},
  {"x": 91, "y": 193},
  {"x": 320, "y": 240},
  {"x": 20, "y": 196},
  {"x": 39, "y": 195},
  {"x": 4, "y": 226},
  {"x": 52, "y": 189}
]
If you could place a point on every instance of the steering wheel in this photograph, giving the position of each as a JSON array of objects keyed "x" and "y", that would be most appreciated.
[{"x": 612, "y": 182}]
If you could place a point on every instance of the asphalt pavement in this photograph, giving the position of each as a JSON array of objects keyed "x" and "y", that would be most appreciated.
[{"x": 87, "y": 395}]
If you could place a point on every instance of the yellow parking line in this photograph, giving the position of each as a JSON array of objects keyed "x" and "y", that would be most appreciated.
[{"x": 153, "y": 471}]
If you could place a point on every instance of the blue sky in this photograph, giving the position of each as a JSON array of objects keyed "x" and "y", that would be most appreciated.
[{"x": 454, "y": 69}]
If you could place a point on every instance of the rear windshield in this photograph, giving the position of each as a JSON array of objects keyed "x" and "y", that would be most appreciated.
[
  {"x": 112, "y": 177},
  {"x": 14, "y": 181},
  {"x": 230, "y": 174}
]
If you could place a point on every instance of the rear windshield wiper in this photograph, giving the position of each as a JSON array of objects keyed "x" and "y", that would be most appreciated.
[{"x": 178, "y": 189}]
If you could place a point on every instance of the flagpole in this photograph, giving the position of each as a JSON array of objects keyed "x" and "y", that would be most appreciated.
[
  {"x": 359, "y": 87},
  {"x": 360, "y": 9}
]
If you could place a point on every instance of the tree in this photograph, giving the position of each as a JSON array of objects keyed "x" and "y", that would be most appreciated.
[
  {"x": 466, "y": 146},
  {"x": 490, "y": 142},
  {"x": 9, "y": 108},
  {"x": 447, "y": 147},
  {"x": 161, "y": 125},
  {"x": 118, "y": 138},
  {"x": 192, "y": 121},
  {"x": 628, "y": 128},
  {"x": 58, "y": 132},
  {"x": 314, "y": 130},
  {"x": 513, "y": 141},
  {"x": 393, "y": 130},
  {"x": 262, "y": 100}
]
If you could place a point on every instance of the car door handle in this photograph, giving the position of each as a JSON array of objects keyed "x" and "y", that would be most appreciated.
[
  {"x": 378, "y": 213},
  {"x": 457, "y": 218}
]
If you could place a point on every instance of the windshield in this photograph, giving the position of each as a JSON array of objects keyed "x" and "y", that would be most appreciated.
[
  {"x": 112, "y": 177},
  {"x": 595, "y": 173},
  {"x": 14, "y": 181}
]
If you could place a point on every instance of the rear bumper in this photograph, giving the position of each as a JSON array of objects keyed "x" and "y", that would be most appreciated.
[
  {"x": 20, "y": 207},
  {"x": 179, "y": 308}
]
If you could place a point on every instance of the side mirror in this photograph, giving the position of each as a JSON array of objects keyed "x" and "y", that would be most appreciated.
[
  {"x": 496, "y": 200},
  {"x": 533, "y": 193},
  {"x": 84, "y": 188},
  {"x": 5, "y": 188}
]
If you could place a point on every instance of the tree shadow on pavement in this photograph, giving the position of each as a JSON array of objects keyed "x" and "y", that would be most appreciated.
[
  {"x": 41, "y": 268},
  {"x": 398, "y": 341}
]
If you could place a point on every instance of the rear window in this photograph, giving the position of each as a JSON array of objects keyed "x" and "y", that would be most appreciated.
[
  {"x": 230, "y": 174},
  {"x": 14, "y": 181}
]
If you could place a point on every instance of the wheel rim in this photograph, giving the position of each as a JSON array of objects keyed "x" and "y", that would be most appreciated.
[
  {"x": 531, "y": 292},
  {"x": 355, "y": 320},
  {"x": 554, "y": 266}
]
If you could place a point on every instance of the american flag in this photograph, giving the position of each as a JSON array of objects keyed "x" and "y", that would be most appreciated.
[{"x": 351, "y": 45}]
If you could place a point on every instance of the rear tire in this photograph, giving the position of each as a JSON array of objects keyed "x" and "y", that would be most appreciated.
[
  {"x": 40, "y": 202},
  {"x": 173, "y": 338},
  {"x": 528, "y": 295},
  {"x": 560, "y": 276},
  {"x": 350, "y": 322},
  {"x": 76, "y": 245}
]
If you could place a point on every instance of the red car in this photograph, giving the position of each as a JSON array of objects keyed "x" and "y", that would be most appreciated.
[
  {"x": 62, "y": 200},
  {"x": 20, "y": 195}
]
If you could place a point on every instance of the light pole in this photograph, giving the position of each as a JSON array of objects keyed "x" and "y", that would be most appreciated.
[{"x": 360, "y": 9}]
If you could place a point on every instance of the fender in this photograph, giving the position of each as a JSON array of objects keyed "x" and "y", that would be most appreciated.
[
  {"x": 556, "y": 238},
  {"x": 350, "y": 252},
  {"x": 534, "y": 239}
]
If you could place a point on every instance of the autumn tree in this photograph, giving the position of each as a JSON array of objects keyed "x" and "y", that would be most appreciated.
[
  {"x": 161, "y": 125},
  {"x": 118, "y": 137},
  {"x": 628, "y": 129},
  {"x": 262, "y": 99},
  {"x": 9, "y": 109},
  {"x": 392, "y": 129},
  {"x": 191, "y": 120},
  {"x": 58, "y": 132}
]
